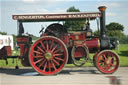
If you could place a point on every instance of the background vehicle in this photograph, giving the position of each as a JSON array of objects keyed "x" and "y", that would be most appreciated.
[{"x": 6, "y": 46}]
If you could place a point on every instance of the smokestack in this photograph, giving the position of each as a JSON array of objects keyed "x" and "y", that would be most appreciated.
[{"x": 102, "y": 9}]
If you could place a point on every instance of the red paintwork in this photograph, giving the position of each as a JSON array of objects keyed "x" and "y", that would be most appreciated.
[
  {"x": 65, "y": 38},
  {"x": 77, "y": 36},
  {"x": 107, "y": 61},
  {"x": 40, "y": 60},
  {"x": 22, "y": 40},
  {"x": 24, "y": 49},
  {"x": 93, "y": 45},
  {"x": 79, "y": 52},
  {"x": 70, "y": 40},
  {"x": 5, "y": 51}
]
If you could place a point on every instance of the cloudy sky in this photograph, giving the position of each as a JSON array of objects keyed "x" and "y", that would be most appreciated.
[{"x": 117, "y": 11}]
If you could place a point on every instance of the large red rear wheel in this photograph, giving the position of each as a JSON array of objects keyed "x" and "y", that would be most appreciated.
[
  {"x": 107, "y": 61},
  {"x": 48, "y": 55}
]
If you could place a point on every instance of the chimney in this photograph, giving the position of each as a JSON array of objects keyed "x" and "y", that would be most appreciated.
[{"x": 102, "y": 9}]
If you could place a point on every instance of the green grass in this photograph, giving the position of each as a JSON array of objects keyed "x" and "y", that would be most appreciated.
[
  {"x": 11, "y": 62},
  {"x": 123, "y": 54}
]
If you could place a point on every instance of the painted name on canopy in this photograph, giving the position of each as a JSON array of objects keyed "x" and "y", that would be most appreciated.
[{"x": 55, "y": 16}]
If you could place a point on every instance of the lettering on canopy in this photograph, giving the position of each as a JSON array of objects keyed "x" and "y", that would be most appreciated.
[{"x": 56, "y": 16}]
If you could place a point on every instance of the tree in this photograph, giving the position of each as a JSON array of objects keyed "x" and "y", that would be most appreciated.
[
  {"x": 115, "y": 30},
  {"x": 124, "y": 40},
  {"x": 73, "y": 25},
  {"x": 73, "y": 9},
  {"x": 3, "y": 33},
  {"x": 96, "y": 33},
  {"x": 115, "y": 26}
]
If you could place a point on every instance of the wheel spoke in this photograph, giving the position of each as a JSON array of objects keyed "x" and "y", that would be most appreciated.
[
  {"x": 111, "y": 59},
  {"x": 54, "y": 48},
  {"x": 101, "y": 63},
  {"x": 42, "y": 45},
  {"x": 55, "y": 62},
  {"x": 104, "y": 56},
  {"x": 45, "y": 66},
  {"x": 102, "y": 59},
  {"x": 53, "y": 65},
  {"x": 57, "y": 50},
  {"x": 59, "y": 54},
  {"x": 38, "y": 56},
  {"x": 37, "y": 52},
  {"x": 39, "y": 60},
  {"x": 47, "y": 46},
  {"x": 51, "y": 45},
  {"x": 112, "y": 62},
  {"x": 107, "y": 67},
  {"x": 40, "y": 49},
  {"x": 59, "y": 58},
  {"x": 112, "y": 65},
  {"x": 42, "y": 63},
  {"x": 49, "y": 65}
]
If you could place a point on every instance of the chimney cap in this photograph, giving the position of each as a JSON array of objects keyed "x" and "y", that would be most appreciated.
[{"x": 102, "y": 8}]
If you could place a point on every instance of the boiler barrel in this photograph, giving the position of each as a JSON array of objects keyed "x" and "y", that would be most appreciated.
[{"x": 93, "y": 45}]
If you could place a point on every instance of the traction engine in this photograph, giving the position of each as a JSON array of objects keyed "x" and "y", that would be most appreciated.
[{"x": 56, "y": 47}]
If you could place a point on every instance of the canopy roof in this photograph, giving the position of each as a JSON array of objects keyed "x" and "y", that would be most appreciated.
[{"x": 55, "y": 16}]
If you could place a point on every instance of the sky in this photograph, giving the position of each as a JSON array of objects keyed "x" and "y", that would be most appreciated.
[{"x": 117, "y": 11}]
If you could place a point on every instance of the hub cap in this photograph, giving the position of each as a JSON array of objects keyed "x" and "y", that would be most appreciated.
[
  {"x": 48, "y": 55},
  {"x": 107, "y": 61}
]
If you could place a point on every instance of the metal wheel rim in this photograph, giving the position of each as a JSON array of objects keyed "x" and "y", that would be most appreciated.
[
  {"x": 45, "y": 65},
  {"x": 107, "y": 64}
]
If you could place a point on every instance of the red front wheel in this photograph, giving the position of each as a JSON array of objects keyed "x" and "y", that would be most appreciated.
[
  {"x": 107, "y": 61},
  {"x": 48, "y": 55}
]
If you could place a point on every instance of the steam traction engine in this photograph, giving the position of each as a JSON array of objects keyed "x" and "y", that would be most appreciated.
[{"x": 56, "y": 47}]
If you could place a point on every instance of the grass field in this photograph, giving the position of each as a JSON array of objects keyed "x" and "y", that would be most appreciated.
[{"x": 123, "y": 54}]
